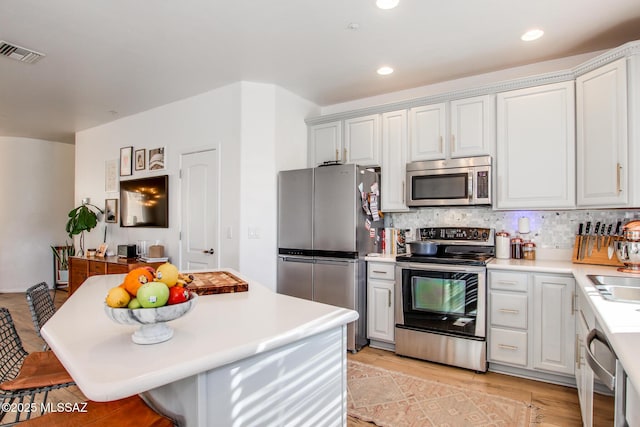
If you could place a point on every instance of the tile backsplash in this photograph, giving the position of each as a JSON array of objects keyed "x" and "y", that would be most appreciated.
[{"x": 549, "y": 229}]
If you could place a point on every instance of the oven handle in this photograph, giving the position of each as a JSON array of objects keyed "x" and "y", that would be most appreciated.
[
  {"x": 470, "y": 185},
  {"x": 400, "y": 265},
  {"x": 605, "y": 376}
]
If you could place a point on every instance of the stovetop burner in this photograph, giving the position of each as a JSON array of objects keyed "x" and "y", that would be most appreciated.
[{"x": 458, "y": 246}]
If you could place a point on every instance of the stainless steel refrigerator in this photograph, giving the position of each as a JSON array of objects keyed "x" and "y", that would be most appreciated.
[{"x": 327, "y": 223}]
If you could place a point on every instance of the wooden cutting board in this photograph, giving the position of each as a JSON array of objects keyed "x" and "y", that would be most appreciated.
[{"x": 216, "y": 282}]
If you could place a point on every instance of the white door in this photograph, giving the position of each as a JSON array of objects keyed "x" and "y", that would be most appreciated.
[
  {"x": 199, "y": 210},
  {"x": 325, "y": 143}
]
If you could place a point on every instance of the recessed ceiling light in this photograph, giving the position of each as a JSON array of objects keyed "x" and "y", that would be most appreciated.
[
  {"x": 384, "y": 71},
  {"x": 531, "y": 35},
  {"x": 387, "y": 4}
]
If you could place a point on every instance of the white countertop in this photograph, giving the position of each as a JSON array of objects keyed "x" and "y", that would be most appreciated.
[
  {"x": 106, "y": 365},
  {"x": 619, "y": 321},
  {"x": 374, "y": 257}
]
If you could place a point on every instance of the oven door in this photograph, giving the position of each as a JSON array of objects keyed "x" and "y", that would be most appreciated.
[{"x": 441, "y": 298}]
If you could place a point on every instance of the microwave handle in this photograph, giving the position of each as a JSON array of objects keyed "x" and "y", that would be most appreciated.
[{"x": 470, "y": 185}]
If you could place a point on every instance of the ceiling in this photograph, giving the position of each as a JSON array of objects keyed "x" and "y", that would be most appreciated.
[{"x": 107, "y": 59}]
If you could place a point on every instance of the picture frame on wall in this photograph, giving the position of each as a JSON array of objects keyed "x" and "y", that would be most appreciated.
[
  {"x": 111, "y": 176},
  {"x": 111, "y": 210},
  {"x": 157, "y": 159},
  {"x": 126, "y": 159},
  {"x": 140, "y": 159}
]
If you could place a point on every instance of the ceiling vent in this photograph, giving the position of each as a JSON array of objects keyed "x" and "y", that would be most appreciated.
[{"x": 19, "y": 53}]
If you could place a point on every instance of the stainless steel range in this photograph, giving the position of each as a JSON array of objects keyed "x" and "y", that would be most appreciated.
[{"x": 441, "y": 302}]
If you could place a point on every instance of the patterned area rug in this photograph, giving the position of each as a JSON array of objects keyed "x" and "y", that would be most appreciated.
[{"x": 393, "y": 399}]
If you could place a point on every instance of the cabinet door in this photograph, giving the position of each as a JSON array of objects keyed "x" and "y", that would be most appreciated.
[
  {"x": 325, "y": 143},
  {"x": 427, "y": 132},
  {"x": 601, "y": 101},
  {"x": 553, "y": 323},
  {"x": 472, "y": 126},
  {"x": 583, "y": 373},
  {"x": 78, "y": 273},
  {"x": 536, "y": 147},
  {"x": 362, "y": 141},
  {"x": 380, "y": 315},
  {"x": 394, "y": 161}
]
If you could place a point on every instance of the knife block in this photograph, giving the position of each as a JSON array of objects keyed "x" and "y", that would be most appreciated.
[{"x": 598, "y": 257}]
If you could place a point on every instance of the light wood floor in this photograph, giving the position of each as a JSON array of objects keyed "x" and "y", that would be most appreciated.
[{"x": 558, "y": 405}]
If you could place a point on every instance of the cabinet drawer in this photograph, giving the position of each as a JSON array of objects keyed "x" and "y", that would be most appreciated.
[
  {"x": 508, "y": 281},
  {"x": 97, "y": 268},
  {"x": 117, "y": 268},
  {"x": 508, "y": 346},
  {"x": 508, "y": 309},
  {"x": 382, "y": 270}
]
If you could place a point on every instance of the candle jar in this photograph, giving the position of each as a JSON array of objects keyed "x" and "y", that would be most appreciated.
[{"x": 529, "y": 250}]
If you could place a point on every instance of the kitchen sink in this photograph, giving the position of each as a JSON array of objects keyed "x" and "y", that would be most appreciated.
[{"x": 617, "y": 288}]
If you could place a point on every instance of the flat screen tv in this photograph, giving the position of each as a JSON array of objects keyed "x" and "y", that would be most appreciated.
[{"x": 144, "y": 202}]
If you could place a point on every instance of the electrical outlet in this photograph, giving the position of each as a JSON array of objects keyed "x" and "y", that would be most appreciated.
[{"x": 254, "y": 233}]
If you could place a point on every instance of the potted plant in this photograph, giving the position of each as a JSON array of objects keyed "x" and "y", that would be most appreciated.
[
  {"x": 81, "y": 219},
  {"x": 62, "y": 254}
]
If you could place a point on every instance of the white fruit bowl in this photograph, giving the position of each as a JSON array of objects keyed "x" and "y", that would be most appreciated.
[{"x": 153, "y": 321}]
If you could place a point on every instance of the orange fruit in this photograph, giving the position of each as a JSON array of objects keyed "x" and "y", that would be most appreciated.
[
  {"x": 117, "y": 297},
  {"x": 136, "y": 278}
]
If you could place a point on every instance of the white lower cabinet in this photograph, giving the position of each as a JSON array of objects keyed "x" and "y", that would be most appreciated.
[
  {"x": 531, "y": 325},
  {"x": 553, "y": 323},
  {"x": 380, "y": 299}
]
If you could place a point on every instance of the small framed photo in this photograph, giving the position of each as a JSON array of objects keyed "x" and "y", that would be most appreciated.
[
  {"x": 140, "y": 159},
  {"x": 126, "y": 154},
  {"x": 111, "y": 210},
  {"x": 156, "y": 159},
  {"x": 102, "y": 250},
  {"x": 111, "y": 176}
]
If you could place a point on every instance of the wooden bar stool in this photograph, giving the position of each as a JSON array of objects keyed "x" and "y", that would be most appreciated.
[
  {"x": 129, "y": 412},
  {"x": 24, "y": 376}
]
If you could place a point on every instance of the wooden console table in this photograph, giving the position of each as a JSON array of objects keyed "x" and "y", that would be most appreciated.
[{"x": 80, "y": 268}]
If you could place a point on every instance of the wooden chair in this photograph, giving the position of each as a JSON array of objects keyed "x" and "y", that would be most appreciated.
[
  {"x": 41, "y": 306},
  {"x": 24, "y": 376},
  {"x": 129, "y": 412}
]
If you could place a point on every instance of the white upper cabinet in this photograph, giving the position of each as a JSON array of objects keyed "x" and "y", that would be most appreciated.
[
  {"x": 362, "y": 140},
  {"x": 472, "y": 126},
  {"x": 360, "y": 145},
  {"x": 536, "y": 148},
  {"x": 459, "y": 128},
  {"x": 427, "y": 132},
  {"x": 602, "y": 136},
  {"x": 325, "y": 143},
  {"x": 394, "y": 161}
]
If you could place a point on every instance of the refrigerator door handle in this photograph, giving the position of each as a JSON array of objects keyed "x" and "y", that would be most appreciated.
[
  {"x": 302, "y": 260},
  {"x": 335, "y": 261}
]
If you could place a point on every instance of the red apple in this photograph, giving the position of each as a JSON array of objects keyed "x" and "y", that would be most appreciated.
[{"x": 177, "y": 294}]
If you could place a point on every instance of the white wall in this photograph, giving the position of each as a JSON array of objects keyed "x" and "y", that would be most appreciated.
[
  {"x": 258, "y": 128},
  {"x": 209, "y": 120},
  {"x": 36, "y": 194},
  {"x": 274, "y": 138},
  {"x": 463, "y": 83}
]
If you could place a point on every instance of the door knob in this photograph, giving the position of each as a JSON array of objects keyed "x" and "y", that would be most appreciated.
[{"x": 210, "y": 251}]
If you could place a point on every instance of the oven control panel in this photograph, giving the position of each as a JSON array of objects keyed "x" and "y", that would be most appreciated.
[{"x": 467, "y": 234}]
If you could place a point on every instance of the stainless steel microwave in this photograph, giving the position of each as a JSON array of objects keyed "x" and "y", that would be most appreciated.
[{"x": 449, "y": 182}]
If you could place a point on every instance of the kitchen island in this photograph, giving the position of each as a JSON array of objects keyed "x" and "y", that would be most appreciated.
[{"x": 246, "y": 358}]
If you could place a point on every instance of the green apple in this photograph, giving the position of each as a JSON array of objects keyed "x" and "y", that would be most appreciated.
[
  {"x": 134, "y": 303},
  {"x": 153, "y": 294}
]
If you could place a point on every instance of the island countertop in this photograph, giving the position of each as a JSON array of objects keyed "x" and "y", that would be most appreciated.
[{"x": 221, "y": 329}]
